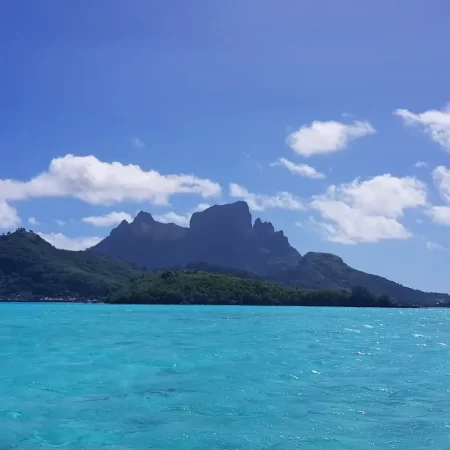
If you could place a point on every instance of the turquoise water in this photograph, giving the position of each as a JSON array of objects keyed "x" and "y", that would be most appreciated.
[{"x": 137, "y": 377}]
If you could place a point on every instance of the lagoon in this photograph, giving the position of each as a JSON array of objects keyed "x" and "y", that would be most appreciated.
[{"x": 79, "y": 376}]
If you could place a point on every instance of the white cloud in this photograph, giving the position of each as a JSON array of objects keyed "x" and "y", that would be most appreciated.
[
  {"x": 59, "y": 222},
  {"x": 33, "y": 221},
  {"x": 440, "y": 214},
  {"x": 138, "y": 143},
  {"x": 8, "y": 216},
  {"x": 299, "y": 169},
  {"x": 62, "y": 241},
  {"x": 430, "y": 245},
  {"x": 347, "y": 225},
  {"x": 261, "y": 202},
  {"x": 108, "y": 220},
  {"x": 101, "y": 183},
  {"x": 421, "y": 164},
  {"x": 201, "y": 207},
  {"x": 173, "y": 217},
  {"x": 435, "y": 123},
  {"x": 369, "y": 211},
  {"x": 182, "y": 220},
  {"x": 326, "y": 137},
  {"x": 441, "y": 178}
]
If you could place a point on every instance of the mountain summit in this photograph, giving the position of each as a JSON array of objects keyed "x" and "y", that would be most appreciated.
[{"x": 221, "y": 235}]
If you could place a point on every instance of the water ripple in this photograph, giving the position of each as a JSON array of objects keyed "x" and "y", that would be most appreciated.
[{"x": 112, "y": 377}]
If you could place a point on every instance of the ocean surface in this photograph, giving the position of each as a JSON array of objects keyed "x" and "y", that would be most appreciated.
[{"x": 77, "y": 376}]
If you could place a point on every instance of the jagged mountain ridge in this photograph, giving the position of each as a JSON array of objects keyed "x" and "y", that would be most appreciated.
[
  {"x": 221, "y": 235},
  {"x": 225, "y": 236}
]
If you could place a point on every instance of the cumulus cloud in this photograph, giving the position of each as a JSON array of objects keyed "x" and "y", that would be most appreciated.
[
  {"x": 261, "y": 202},
  {"x": 138, "y": 143},
  {"x": 435, "y": 123},
  {"x": 8, "y": 216},
  {"x": 440, "y": 214},
  {"x": 33, "y": 221},
  {"x": 62, "y": 241},
  {"x": 101, "y": 183},
  {"x": 326, "y": 137},
  {"x": 173, "y": 217},
  {"x": 441, "y": 178},
  {"x": 420, "y": 165},
  {"x": 182, "y": 220},
  {"x": 108, "y": 220},
  {"x": 299, "y": 169},
  {"x": 368, "y": 211}
]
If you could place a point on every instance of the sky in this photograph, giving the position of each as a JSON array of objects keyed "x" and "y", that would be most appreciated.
[{"x": 329, "y": 117}]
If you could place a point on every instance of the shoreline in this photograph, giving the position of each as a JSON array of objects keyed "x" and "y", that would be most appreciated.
[{"x": 99, "y": 302}]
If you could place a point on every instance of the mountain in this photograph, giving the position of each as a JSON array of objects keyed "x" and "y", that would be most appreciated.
[
  {"x": 32, "y": 268},
  {"x": 221, "y": 235},
  {"x": 328, "y": 271},
  {"x": 221, "y": 240},
  {"x": 225, "y": 236},
  {"x": 145, "y": 243}
]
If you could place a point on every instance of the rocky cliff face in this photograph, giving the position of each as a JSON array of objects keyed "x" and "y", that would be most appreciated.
[
  {"x": 233, "y": 220},
  {"x": 221, "y": 235},
  {"x": 274, "y": 253}
]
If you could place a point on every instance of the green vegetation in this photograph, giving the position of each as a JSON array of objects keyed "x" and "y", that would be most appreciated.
[
  {"x": 203, "y": 288},
  {"x": 31, "y": 268}
]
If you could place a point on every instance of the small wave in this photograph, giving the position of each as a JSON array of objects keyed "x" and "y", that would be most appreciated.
[
  {"x": 443, "y": 344},
  {"x": 315, "y": 372},
  {"x": 79, "y": 363},
  {"x": 93, "y": 398},
  {"x": 12, "y": 414},
  {"x": 289, "y": 375},
  {"x": 418, "y": 335},
  {"x": 368, "y": 326},
  {"x": 352, "y": 330}
]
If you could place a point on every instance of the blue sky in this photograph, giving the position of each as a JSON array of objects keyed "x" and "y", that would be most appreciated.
[{"x": 316, "y": 112}]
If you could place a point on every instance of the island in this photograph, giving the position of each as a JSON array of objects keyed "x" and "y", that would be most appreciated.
[{"x": 31, "y": 269}]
